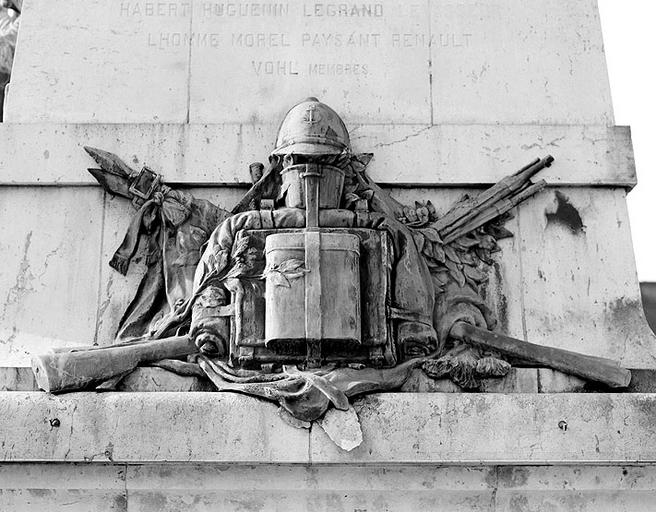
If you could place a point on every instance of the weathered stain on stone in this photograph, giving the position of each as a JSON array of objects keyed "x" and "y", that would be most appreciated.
[
  {"x": 41, "y": 493},
  {"x": 512, "y": 476},
  {"x": 120, "y": 503},
  {"x": 490, "y": 478},
  {"x": 645, "y": 412},
  {"x": 518, "y": 503},
  {"x": 565, "y": 214},
  {"x": 624, "y": 309},
  {"x": 625, "y": 316}
]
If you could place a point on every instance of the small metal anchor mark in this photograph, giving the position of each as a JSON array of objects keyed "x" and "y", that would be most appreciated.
[{"x": 310, "y": 115}]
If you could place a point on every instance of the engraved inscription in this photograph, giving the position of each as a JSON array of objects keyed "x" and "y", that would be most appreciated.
[
  {"x": 340, "y": 40},
  {"x": 293, "y": 46},
  {"x": 343, "y": 10},
  {"x": 260, "y": 40},
  {"x": 243, "y": 10},
  {"x": 338, "y": 69},
  {"x": 152, "y": 9},
  {"x": 278, "y": 67},
  {"x": 163, "y": 40},
  {"x": 414, "y": 40}
]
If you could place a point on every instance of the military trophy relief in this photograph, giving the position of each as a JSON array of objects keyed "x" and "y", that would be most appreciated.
[{"x": 316, "y": 288}]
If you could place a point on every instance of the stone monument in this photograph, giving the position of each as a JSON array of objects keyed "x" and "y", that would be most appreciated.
[{"x": 429, "y": 320}]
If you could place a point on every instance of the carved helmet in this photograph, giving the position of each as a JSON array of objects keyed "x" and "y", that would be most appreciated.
[{"x": 312, "y": 128}]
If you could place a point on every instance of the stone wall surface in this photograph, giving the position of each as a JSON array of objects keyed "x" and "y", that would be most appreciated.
[
  {"x": 325, "y": 488},
  {"x": 428, "y": 61}
]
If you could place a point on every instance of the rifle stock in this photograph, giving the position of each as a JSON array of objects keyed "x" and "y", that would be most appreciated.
[
  {"x": 592, "y": 368},
  {"x": 67, "y": 370}
]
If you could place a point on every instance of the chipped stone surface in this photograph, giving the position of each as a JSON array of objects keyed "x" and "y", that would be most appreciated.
[
  {"x": 458, "y": 154},
  {"x": 343, "y": 427}
]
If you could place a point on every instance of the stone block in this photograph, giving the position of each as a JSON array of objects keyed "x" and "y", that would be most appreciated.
[
  {"x": 518, "y": 380},
  {"x": 507, "y": 429},
  {"x": 581, "y": 488},
  {"x": 74, "y": 487},
  {"x": 299, "y": 488},
  {"x": 552, "y": 381},
  {"x": 417, "y": 428},
  {"x": 219, "y": 154},
  {"x": 263, "y": 64},
  {"x": 465, "y": 154},
  {"x": 71, "y": 66},
  {"x": 73, "y": 500},
  {"x": 322, "y": 488},
  {"x": 138, "y": 427},
  {"x": 519, "y": 61},
  {"x": 591, "y": 305},
  {"x": 423, "y": 62},
  {"x": 152, "y": 379},
  {"x": 50, "y": 243},
  {"x": 17, "y": 379}
]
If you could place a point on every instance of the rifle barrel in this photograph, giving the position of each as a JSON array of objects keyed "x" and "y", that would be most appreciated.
[
  {"x": 80, "y": 368},
  {"x": 593, "y": 368}
]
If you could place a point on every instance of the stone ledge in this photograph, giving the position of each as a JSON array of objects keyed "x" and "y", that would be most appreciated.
[
  {"x": 323, "y": 488},
  {"x": 398, "y": 428},
  {"x": 519, "y": 380},
  {"x": 405, "y": 155}
]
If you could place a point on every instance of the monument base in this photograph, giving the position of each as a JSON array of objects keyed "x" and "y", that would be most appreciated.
[
  {"x": 422, "y": 451},
  {"x": 295, "y": 487}
]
